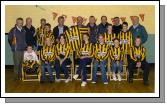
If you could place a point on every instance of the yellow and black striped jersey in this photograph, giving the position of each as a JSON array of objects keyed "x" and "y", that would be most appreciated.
[
  {"x": 30, "y": 63},
  {"x": 86, "y": 49},
  {"x": 140, "y": 51},
  {"x": 126, "y": 40},
  {"x": 48, "y": 53},
  {"x": 39, "y": 31},
  {"x": 109, "y": 38},
  {"x": 63, "y": 50},
  {"x": 101, "y": 51},
  {"x": 116, "y": 54},
  {"x": 74, "y": 38},
  {"x": 50, "y": 35},
  {"x": 83, "y": 30}
]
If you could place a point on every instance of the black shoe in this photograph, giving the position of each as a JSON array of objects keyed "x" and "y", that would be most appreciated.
[
  {"x": 130, "y": 80},
  {"x": 146, "y": 83},
  {"x": 51, "y": 81},
  {"x": 42, "y": 81}
]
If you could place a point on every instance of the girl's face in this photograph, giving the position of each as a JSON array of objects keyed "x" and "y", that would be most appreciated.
[
  {"x": 29, "y": 49},
  {"x": 62, "y": 40},
  {"x": 116, "y": 43},
  {"x": 85, "y": 37},
  {"x": 48, "y": 41},
  {"x": 101, "y": 39},
  {"x": 47, "y": 28}
]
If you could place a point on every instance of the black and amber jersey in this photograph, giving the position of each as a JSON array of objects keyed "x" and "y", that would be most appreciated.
[
  {"x": 83, "y": 30},
  {"x": 64, "y": 50},
  {"x": 73, "y": 37},
  {"x": 48, "y": 35},
  {"x": 116, "y": 53},
  {"x": 126, "y": 40},
  {"x": 101, "y": 51},
  {"x": 140, "y": 51},
  {"x": 39, "y": 31},
  {"x": 86, "y": 49},
  {"x": 109, "y": 38},
  {"x": 48, "y": 53},
  {"x": 30, "y": 63}
]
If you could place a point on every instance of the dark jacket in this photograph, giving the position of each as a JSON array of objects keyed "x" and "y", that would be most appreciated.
[
  {"x": 93, "y": 33},
  {"x": 117, "y": 29},
  {"x": 20, "y": 39},
  {"x": 102, "y": 28},
  {"x": 139, "y": 31},
  {"x": 30, "y": 38},
  {"x": 56, "y": 31}
]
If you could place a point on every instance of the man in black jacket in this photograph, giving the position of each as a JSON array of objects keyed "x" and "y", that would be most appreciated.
[
  {"x": 17, "y": 42},
  {"x": 102, "y": 27},
  {"x": 117, "y": 27},
  {"x": 60, "y": 28}
]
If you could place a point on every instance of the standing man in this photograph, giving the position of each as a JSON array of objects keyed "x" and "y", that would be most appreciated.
[
  {"x": 102, "y": 27},
  {"x": 92, "y": 29},
  {"x": 60, "y": 28},
  {"x": 138, "y": 30},
  {"x": 17, "y": 43},
  {"x": 117, "y": 27},
  {"x": 30, "y": 33}
]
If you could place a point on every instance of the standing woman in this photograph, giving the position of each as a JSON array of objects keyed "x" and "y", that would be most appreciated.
[
  {"x": 85, "y": 53},
  {"x": 63, "y": 51},
  {"x": 47, "y": 58}
]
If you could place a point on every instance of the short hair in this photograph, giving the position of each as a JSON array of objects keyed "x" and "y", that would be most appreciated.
[
  {"x": 60, "y": 17},
  {"x": 137, "y": 37},
  {"x": 91, "y": 16},
  {"x": 43, "y": 19},
  {"x": 100, "y": 35},
  {"x": 125, "y": 23},
  {"x": 103, "y": 16},
  {"x": 47, "y": 24},
  {"x": 19, "y": 19},
  {"x": 116, "y": 17}
]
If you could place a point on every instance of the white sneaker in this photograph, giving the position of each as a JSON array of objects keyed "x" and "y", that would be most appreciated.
[
  {"x": 67, "y": 80},
  {"x": 119, "y": 76},
  {"x": 114, "y": 77},
  {"x": 93, "y": 82},
  {"x": 75, "y": 76},
  {"x": 105, "y": 83},
  {"x": 83, "y": 83},
  {"x": 57, "y": 80}
]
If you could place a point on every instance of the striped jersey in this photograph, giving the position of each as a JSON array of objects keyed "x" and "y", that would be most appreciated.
[
  {"x": 86, "y": 49},
  {"x": 48, "y": 53},
  {"x": 30, "y": 63},
  {"x": 116, "y": 54},
  {"x": 74, "y": 38},
  {"x": 39, "y": 31},
  {"x": 64, "y": 50},
  {"x": 101, "y": 51},
  {"x": 109, "y": 38},
  {"x": 83, "y": 30},
  {"x": 50, "y": 35},
  {"x": 126, "y": 40},
  {"x": 140, "y": 51}
]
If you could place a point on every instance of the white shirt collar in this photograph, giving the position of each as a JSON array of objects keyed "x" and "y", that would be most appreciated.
[{"x": 19, "y": 28}]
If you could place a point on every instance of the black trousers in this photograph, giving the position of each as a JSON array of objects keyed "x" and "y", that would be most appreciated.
[{"x": 144, "y": 67}]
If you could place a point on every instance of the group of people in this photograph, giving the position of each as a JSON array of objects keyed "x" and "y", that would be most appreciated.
[{"x": 53, "y": 50}]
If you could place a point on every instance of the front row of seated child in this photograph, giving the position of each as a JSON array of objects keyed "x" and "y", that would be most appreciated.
[{"x": 57, "y": 57}]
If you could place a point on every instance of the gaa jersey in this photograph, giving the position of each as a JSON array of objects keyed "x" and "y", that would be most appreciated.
[
  {"x": 30, "y": 63},
  {"x": 109, "y": 38},
  {"x": 39, "y": 31},
  {"x": 50, "y": 35},
  {"x": 126, "y": 41},
  {"x": 116, "y": 54},
  {"x": 140, "y": 50},
  {"x": 74, "y": 38},
  {"x": 86, "y": 49},
  {"x": 101, "y": 51},
  {"x": 83, "y": 30},
  {"x": 48, "y": 53},
  {"x": 64, "y": 50}
]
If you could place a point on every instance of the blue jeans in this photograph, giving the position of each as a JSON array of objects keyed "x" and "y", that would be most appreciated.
[
  {"x": 82, "y": 67},
  {"x": 103, "y": 70},
  {"x": 49, "y": 69},
  {"x": 116, "y": 66},
  {"x": 63, "y": 67}
]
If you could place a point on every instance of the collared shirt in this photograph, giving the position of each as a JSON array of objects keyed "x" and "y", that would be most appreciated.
[
  {"x": 19, "y": 28},
  {"x": 134, "y": 26},
  {"x": 60, "y": 29}
]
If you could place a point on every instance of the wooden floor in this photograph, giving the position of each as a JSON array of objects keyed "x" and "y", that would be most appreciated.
[{"x": 13, "y": 86}]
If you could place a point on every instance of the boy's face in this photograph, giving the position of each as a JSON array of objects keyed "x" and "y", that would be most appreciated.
[
  {"x": 116, "y": 43},
  {"x": 92, "y": 20},
  {"x": 109, "y": 28},
  {"x": 47, "y": 29},
  {"x": 101, "y": 39},
  {"x": 124, "y": 27},
  {"x": 137, "y": 41},
  {"x": 85, "y": 37},
  {"x": 29, "y": 49}
]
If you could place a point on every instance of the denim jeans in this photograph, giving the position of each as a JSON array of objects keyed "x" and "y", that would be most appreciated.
[
  {"x": 103, "y": 70},
  {"x": 116, "y": 66},
  {"x": 49, "y": 69},
  {"x": 82, "y": 67}
]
